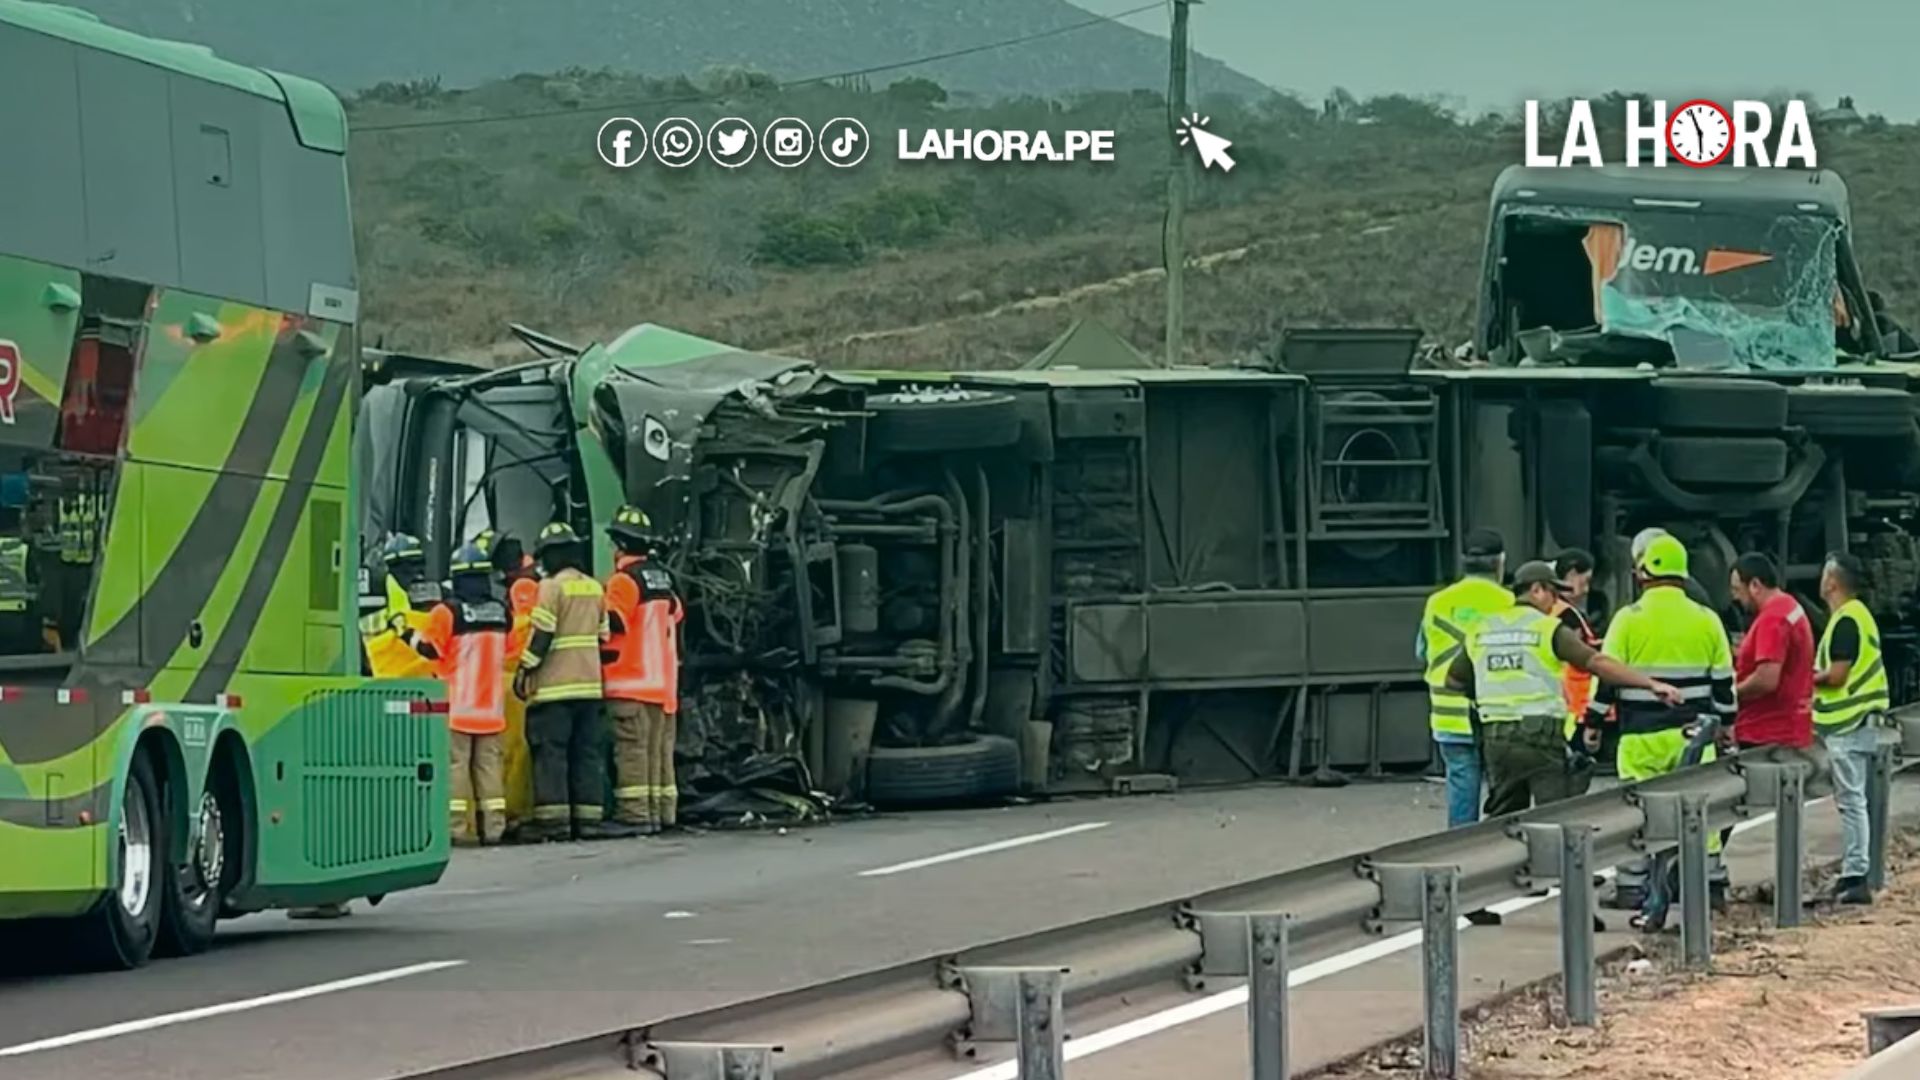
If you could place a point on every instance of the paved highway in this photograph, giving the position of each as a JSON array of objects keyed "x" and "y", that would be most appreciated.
[{"x": 519, "y": 947}]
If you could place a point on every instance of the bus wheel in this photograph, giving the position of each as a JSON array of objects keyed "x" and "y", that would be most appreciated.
[
  {"x": 120, "y": 932},
  {"x": 195, "y": 888}
]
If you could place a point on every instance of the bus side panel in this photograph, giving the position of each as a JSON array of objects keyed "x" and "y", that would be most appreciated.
[
  {"x": 54, "y": 819},
  {"x": 352, "y": 788},
  {"x": 43, "y": 215}
]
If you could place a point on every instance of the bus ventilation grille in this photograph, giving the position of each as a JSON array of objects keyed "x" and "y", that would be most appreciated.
[{"x": 368, "y": 782}]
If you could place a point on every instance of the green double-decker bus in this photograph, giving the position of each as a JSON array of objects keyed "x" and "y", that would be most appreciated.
[{"x": 185, "y": 730}]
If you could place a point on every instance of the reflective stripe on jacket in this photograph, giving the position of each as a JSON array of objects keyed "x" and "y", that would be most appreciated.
[
  {"x": 472, "y": 642},
  {"x": 1840, "y": 709},
  {"x": 570, "y": 616},
  {"x": 1444, "y": 626},
  {"x": 1668, "y": 637},
  {"x": 1516, "y": 675},
  {"x": 647, "y": 665},
  {"x": 388, "y": 655}
]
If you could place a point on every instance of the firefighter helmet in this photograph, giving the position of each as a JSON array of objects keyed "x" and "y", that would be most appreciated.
[
  {"x": 471, "y": 559},
  {"x": 558, "y": 534},
  {"x": 631, "y": 523},
  {"x": 401, "y": 547}
]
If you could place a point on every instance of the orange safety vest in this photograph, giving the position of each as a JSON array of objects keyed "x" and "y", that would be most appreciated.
[
  {"x": 1577, "y": 684},
  {"x": 472, "y": 644},
  {"x": 646, "y": 666}
]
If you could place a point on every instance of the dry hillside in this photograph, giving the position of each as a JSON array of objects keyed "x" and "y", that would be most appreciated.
[{"x": 1370, "y": 215}]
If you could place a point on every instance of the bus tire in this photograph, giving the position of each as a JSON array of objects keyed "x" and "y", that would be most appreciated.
[
  {"x": 121, "y": 930},
  {"x": 195, "y": 888}
]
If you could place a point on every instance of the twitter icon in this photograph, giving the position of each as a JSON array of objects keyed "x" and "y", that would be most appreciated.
[{"x": 732, "y": 142}]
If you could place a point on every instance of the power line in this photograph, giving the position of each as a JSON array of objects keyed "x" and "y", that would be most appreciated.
[{"x": 688, "y": 99}]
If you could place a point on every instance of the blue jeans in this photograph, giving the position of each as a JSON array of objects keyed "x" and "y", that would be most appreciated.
[
  {"x": 1462, "y": 760},
  {"x": 1852, "y": 759}
]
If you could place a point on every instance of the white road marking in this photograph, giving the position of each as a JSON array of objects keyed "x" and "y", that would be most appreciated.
[
  {"x": 1236, "y": 998},
  {"x": 134, "y": 1027},
  {"x": 985, "y": 849},
  {"x": 678, "y": 915}
]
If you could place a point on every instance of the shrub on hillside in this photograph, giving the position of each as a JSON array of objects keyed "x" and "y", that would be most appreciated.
[{"x": 793, "y": 238}]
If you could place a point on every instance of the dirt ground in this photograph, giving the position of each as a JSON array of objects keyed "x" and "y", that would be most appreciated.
[{"x": 1779, "y": 1005}]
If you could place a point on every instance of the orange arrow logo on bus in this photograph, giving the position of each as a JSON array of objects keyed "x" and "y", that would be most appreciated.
[{"x": 1721, "y": 260}]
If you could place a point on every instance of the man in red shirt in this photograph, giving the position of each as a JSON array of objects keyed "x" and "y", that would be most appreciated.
[{"x": 1774, "y": 665}]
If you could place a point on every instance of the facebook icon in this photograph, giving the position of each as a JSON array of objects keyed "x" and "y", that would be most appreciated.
[{"x": 623, "y": 142}]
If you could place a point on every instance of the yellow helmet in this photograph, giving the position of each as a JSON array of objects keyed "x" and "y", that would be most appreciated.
[{"x": 1665, "y": 557}]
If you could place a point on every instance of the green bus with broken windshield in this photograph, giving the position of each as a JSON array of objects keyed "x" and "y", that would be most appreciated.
[{"x": 185, "y": 730}]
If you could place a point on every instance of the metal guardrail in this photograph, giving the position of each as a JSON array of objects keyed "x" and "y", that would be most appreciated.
[{"x": 1016, "y": 991}]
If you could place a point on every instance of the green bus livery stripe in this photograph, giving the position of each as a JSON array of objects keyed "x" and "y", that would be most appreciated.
[
  {"x": 231, "y": 643},
  {"x": 191, "y": 572}
]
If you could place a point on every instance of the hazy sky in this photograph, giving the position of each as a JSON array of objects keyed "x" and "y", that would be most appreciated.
[{"x": 1495, "y": 53}]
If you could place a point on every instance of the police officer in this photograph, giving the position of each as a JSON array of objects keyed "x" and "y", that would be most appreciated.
[
  {"x": 1449, "y": 616},
  {"x": 1514, "y": 667},
  {"x": 642, "y": 672},
  {"x": 559, "y": 677},
  {"x": 1672, "y": 638},
  {"x": 1850, "y": 702},
  {"x": 466, "y": 638}
]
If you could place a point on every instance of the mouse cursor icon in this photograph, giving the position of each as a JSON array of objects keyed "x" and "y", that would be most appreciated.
[{"x": 1211, "y": 148}]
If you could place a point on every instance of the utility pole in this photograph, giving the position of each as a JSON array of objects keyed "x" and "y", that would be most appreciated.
[{"x": 1174, "y": 239}]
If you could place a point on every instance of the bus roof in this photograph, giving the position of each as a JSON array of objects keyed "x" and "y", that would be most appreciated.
[
  {"x": 1815, "y": 191},
  {"x": 318, "y": 120}
]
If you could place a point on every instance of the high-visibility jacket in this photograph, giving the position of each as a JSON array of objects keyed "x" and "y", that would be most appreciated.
[
  {"x": 1516, "y": 675},
  {"x": 569, "y": 623},
  {"x": 521, "y": 596},
  {"x": 471, "y": 643},
  {"x": 1668, "y": 637},
  {"x": 388, "y": 654},
  {"x": 1578, "y": 684},
  {"x": 646, "y": 651},
  {"x": 1840, "y": 709},
  {"x": 1449, "y": 616}
]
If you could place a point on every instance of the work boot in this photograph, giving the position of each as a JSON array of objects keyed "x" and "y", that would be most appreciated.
[
  {"x": 1852, "y": 889},
  {"x": 542, "y": 832},
  {"x": 1483, "y": 917},
  {"x": 605, "y": 830}
]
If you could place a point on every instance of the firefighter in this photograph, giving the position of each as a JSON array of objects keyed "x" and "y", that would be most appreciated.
[
  {"x": 559, "y": 676},
  {"x": 642, "y": 672},
  {"x": 466, "y": 638},
  {"x": 1449, "y": 615},
  {"x": 515, "y": 567},
  {"x": 1514, "y": 667},
  {"x": 1672, "y": 638},
  {"x": 388, "y": 654}
]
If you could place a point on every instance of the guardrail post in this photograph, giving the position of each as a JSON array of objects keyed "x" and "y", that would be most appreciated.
[
  {"x": 1430, "y": 895},
  {"x": 715, "y": 1061},
  {"x": 1879, "y": 790},
  {"x": 1021, "y": 1005},
  {"x": 1440, "y": 970},
  {"x": 1788, "y": 856},
  {"x": 1576, "y": 925},
  {"x": 1267, "y": 994},
  {"x": 1696, "y": 899}
]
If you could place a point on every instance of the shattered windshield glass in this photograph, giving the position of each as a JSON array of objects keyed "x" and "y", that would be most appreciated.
[{"x": 1724, "y": 291}]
